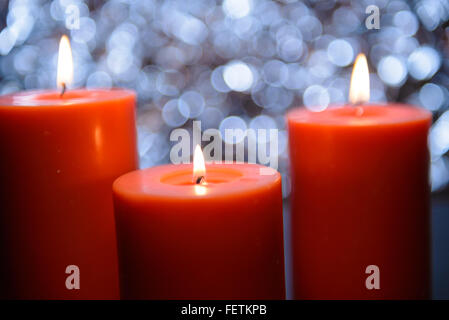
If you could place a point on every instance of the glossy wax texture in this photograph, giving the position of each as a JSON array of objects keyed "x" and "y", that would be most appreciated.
[
  {"x": 360, "y": 197},
  {"x": 59, "y": 157},
  {"x": 223, "y": 240}
]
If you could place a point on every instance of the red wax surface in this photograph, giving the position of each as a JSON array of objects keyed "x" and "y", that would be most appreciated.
[
  {"x": 59, "y": 157},
  {"x": 360, "y": 197},
  {"x": 223, "y": 240}
]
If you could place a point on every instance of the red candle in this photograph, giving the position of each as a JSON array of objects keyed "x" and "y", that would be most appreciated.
[
  {"x": 219, "y": 239},
  {"x": 360, "y": 201},
  {"x": 59, "y": 158}
]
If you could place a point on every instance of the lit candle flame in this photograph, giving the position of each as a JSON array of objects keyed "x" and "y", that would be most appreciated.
[
  {"x": 199, "y": 167},
  {"x": 200, "y": 190},
  {"x": 65, "y": 64},
  {"x": 359, "y": 88}
]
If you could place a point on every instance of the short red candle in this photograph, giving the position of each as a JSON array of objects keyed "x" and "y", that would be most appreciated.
[
  {"x": 59, "y": 158},
  {"x": 178, "y": 240},
  {"x": 360, "y": 197}
]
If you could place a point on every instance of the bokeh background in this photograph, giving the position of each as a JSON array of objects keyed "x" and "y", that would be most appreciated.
[{"x": 241, "y": 64}]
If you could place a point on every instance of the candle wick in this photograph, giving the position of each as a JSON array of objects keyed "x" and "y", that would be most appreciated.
[
  {"x": 63, "y": 89},
  {"x": 199, "y": 180},
  {"x": 358, "y": 109}
]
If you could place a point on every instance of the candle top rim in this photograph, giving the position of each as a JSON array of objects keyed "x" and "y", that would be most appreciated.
[
  {"x": 51, "y": 98},
  {"x": 222, "y": 180},
  {"x": 367, "y": 115}
]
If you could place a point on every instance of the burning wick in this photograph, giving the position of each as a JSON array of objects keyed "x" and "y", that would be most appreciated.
[
  {"x": 199, "y": 167},
  {"x": 199, "y": 180},
  {"x": 63, "y": 89},
  {"x": 65, "y": 65}
]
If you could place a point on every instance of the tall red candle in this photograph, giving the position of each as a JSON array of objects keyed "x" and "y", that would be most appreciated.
[
  {"x": 59, "y": 158},
  {"x": 61, "y": 151},
  {"x": 360, "y": 198},
  {"x": 179, "y": 240}
]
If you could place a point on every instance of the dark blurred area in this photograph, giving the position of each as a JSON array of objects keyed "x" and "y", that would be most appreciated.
[{"x": 241, "y": 64}]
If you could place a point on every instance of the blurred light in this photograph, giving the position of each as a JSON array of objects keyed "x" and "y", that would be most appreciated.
[
  {"x": 316, "y": 98},
  {"x": 392, "y": 70},
  {"x": 297, "y": 77},
  {"x": 268, "y": 12},
  {"x": 218, "y": 81},
  {"x": 237, "y": 8},
  {"x": 173, "y": 113},
  {"x": 405, "y": 45},
  {"x": 227, "y": 45},
  {"x": 439, "y": 173},
  {"x": 170, "y": 57},
  {"x": 283, "y": 143},
  {"x": 190, "y": 29},
  {"x": 320, "y": 66},
  {"x": 264, "y": 45},
  {"x": 119, "y": 60},
  {"x": 144, "y": 140},
  {"x": 238, "y": 76},
  {"x": 211, "y": 117},
  {"x": 276, "y": 99},
  {"x": 423, "y": 63},
  {"x": 439, "y": 136},
  {"x": 345, "y": 20},
  {"x": 26, "y": 58},
  {"x": 377, "y": 89},
  {"x": 246, "y": 27},
  {"x": 157, "y": 152},
  {"x": 431, "y": 96},
  {"x": 151, "y": 119},
  {"x": 20, "y": 20},
  {"x": 290, "y": 49},
  {"x": 86, "y": 32},
  {"x": 99, "y": 79},
  {"x": 263, "y": 122},
  {"x": 192, "y": 104},
  {"x": 407, "y": 22},
  {"x": 231, "y": 123},
  {"x": 10, "y": 87},
  {"x": 275, "y": 72},
  {"x": 7, "y": 41},
  {"x": 432, "y": 13},
  {"x": 170, "y": 82},
  {"x": 310, "y": 27},
  {"x": 146, "y": 83},
  {"x": 340, "y": 52}
]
